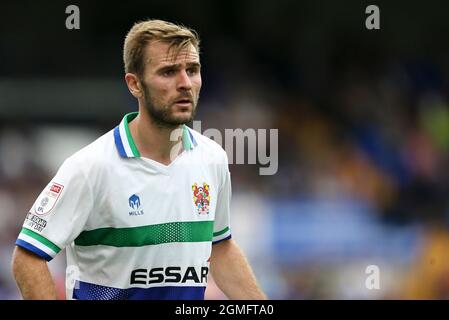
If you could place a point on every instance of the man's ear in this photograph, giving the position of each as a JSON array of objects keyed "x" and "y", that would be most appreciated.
[{"x": 134, "y": 85}]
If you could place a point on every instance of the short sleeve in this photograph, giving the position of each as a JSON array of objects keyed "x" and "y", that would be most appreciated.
[
  {"x": 222, "y": 223},
  {"x": 59, "y": 213}
]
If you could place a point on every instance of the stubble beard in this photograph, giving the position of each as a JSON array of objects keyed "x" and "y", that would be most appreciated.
[{"x": 161, "y": 115}]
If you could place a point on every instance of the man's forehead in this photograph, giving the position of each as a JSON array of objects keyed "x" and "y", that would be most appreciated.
[{"x": 163, "y": 53}]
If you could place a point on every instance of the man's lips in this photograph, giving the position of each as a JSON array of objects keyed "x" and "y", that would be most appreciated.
[{"x": 184, "y": 102}]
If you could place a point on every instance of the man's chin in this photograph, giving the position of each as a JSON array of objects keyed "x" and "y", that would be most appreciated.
[
  {"x": 183, "y": 118},
  {"x": 174, "y": 122},
  {"x": 182, "y": 121},
  {"x": 172, "y": 119}
]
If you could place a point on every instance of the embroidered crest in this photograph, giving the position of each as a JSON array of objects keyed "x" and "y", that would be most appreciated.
[{"x": 201, "y": 197}]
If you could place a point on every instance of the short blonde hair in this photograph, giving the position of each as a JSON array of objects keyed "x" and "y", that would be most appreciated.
[{"x": 144, "y": 32}]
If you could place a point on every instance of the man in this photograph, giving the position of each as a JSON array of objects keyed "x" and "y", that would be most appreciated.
[{"x": 143, "y": 211}]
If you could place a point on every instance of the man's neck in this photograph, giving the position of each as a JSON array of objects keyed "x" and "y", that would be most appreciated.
[{"x": 153, "y": 141}]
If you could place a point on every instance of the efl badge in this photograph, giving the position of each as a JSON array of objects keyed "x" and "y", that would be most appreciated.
[
  {"x": 201, "y": 198},
  {"x": 48, "y": 198}
]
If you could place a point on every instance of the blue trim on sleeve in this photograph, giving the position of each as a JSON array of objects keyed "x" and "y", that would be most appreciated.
[
  {"x": 218, "y": 241},
  {"x": 33, "y": 249}
]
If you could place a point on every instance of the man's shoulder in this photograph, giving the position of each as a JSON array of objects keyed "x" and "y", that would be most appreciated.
[{"x": 93, "y": 153}]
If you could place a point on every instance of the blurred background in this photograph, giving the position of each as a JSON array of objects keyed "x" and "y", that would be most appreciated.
[{"x": 363, "y": 120}]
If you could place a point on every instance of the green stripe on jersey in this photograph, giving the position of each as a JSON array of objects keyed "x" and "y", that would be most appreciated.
[
  {"x": 192, "y": 231},
  {"x": 41, "y": 239},
  {"x": 219, "y": 233},
  {"x": 132, "y": 145},
  {"x": 186, "y": 143}
]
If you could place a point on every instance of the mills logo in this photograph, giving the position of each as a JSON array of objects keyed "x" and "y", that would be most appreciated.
[{"x": 134, "y": 203}]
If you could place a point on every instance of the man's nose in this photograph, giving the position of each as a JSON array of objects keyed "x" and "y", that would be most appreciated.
[{"x": 184, "y": 82}]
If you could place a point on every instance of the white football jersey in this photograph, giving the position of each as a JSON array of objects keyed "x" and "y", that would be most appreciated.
[{"x": 132, "y": 227}]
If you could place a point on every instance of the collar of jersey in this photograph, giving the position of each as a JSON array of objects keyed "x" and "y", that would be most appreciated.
[{"x": 125, "y": 142}]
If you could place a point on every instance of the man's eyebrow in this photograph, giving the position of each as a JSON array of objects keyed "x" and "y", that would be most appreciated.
[
  {"x": 193, "y": 64},
  {"x": 178, "y": 65}
]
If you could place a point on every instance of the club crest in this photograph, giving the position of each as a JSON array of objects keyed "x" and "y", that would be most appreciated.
[{"x": 201, "y": 197}]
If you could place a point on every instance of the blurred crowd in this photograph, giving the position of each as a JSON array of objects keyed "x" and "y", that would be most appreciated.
[{"x": 379, "y": 141}]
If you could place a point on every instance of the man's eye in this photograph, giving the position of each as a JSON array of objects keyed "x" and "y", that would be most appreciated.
[
  {"x": 168, "y": 73},
  {"x": 192, "y": 71}
]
